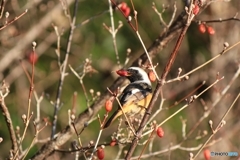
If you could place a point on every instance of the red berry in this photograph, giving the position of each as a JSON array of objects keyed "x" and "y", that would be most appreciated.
[
  {"x": 127, "y": 12},
  {"x": 210, "y": 30},
  {"x": 160, "y": 132},
  {"x": 125, "y": 9},
  {"x": 100, "y": 153},
  {"x": 109, "y": 105},
  {"x": 202, "y": 28},
  {"x": 207, "y": 154},
  {"x": 123, "y": 6},
  {"x": 113, "y": 142},
  {"x": 152, "y": 76},
  {"x": 32, "y": 57},
  {"x": 196, "y": 9}
]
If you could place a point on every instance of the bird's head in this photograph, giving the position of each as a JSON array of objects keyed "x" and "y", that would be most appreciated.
[{"x": 134, "y": 74}]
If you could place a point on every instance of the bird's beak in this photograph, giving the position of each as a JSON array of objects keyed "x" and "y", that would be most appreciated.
[{"x": 123, "y": 73}]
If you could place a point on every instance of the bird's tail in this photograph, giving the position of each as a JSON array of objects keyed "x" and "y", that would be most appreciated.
[{"x": 116, "y": 114}]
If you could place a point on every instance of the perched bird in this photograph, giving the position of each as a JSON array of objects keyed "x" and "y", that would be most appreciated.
[{"x": 135, "y": 97}]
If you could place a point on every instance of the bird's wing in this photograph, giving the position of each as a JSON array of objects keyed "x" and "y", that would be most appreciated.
[
  {"x": 130, "y": 96},
  {"x": 133, "y": 95},
  {"x": 134, "y": 92}
]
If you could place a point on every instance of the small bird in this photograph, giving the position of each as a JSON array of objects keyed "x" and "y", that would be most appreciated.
[{"x": 135, "y": 97}]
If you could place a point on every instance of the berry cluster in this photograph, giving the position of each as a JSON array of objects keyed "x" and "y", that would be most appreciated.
[{"x": 203, "y": 28}]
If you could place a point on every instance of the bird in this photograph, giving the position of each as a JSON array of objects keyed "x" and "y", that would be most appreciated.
[{"x": 135, "y": 97}]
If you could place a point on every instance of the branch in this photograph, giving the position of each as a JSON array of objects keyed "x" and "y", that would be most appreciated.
[
  {"x": 13, "y": 20},
  {"x": 160, "y": 83},
  {"x": 7, "y": 117},
  {"x": 63, "y": 70}
]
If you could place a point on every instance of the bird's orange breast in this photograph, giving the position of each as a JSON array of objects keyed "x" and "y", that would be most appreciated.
[{"x": 136, "y": 107}]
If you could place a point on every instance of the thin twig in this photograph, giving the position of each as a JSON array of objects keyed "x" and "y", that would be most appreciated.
[
  {"x": 96, "y": 144},
  {"x": 220, "y": 20},
  {"x": 158, "y": 110},
  {"x": 37, "y": 131},
  {"x": 7, "y": 116},
  {"x": 13, "y": 20},
  {"x": 113, "y": 33},
  {"x": 84, "y": 72},
  {"x": 29, "y": 113},
  {"x": 204, "y": 64},
  {"x": 38, "y": 99},
  {"x": 63, "y": 71},
  {"x": 91, "y": 18},
  {"x": 2, "y": 6}
]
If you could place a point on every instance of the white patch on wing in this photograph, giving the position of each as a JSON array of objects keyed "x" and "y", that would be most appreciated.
[
  {"x": 132, "y": 96},
  {"x": 134, "y": 91}
]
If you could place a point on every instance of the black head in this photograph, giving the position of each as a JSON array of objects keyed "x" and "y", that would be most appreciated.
[{"x": 135, "y": 74}]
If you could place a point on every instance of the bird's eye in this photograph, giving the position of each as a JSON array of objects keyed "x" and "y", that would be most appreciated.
[
  {"x": 132, "y": 71},
  {"x": 129, "y": 70}
]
